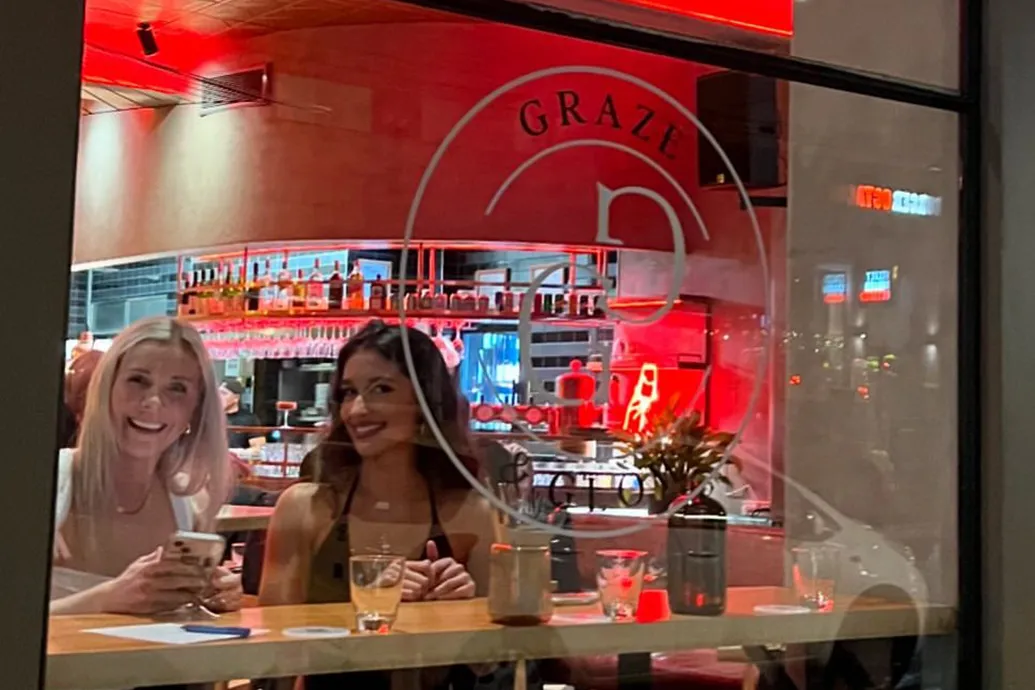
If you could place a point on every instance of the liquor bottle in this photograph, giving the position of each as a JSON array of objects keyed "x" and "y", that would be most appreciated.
[
  {"x": 184, "y": 307},
  {"x": 208, "y": 282},
  {"x": 194, "y": 303},
  {"x": 240, "y": 302},
  {"x": 298, "y": 293},
  {"x": 355, "y": 289},
  {"x": 267, "y": 290},
  {"x": 377, "y": 295},
  {"x": 283, "y": 301},
  {"x": 336, "y": 287},
  {"x": 254, "y": 289},
  {"x": 696, "y": 554},
  {"x": 316, "y": 299}
]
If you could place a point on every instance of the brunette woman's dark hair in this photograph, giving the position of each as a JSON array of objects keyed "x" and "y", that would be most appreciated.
[{"x": 336, "y": 458}]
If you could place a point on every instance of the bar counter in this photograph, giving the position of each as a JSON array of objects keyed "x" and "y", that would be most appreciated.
[{"x": 443, "y": 633}]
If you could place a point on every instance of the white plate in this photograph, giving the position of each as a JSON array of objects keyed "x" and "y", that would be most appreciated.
[
  {"x": 575, "y": 598},
  {"x": 780, "y": 610},
  {"x": 316, "y": 632}
]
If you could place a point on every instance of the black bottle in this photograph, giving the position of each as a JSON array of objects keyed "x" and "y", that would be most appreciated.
[
  {"x": 697, "y": 558},
  {"x": 253, "y": 290}
]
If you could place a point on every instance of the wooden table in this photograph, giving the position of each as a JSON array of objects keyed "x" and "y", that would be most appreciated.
[
  {"x": 243, "y": 518},
  {"x": 444, "y": 633}
]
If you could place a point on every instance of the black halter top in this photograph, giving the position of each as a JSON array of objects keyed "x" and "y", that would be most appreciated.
[{"x": 329, "y": 583}]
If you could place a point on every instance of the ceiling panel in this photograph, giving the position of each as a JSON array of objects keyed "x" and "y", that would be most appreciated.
[{"x": 96, "y": 99}]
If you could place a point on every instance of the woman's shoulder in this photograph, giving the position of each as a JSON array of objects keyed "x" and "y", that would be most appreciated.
[
  {"x": 305, "y": 504},
  {"x": 465, "y": 504}
]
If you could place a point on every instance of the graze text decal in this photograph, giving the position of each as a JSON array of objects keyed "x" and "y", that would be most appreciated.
[{"x": 567, "y": 108}]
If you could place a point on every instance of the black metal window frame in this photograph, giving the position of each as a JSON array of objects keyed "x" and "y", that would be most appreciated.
[{"x": 966, "y": 102}]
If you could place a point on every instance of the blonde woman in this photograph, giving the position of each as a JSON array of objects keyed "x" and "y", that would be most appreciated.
[{"x": 152, "y": 459}]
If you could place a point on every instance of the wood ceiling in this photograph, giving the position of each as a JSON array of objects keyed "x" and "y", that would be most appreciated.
[
  {"x": 219, "y": 17},
  {"x": 95, "y": 99}
]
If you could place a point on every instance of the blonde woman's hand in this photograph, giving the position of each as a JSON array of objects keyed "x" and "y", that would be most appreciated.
[
  {"x": 151, "y": 584},
  {"x": 228, "y": 592}
]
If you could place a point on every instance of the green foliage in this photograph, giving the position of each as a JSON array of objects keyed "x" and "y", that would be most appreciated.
[{"x": 679, "y": 452}]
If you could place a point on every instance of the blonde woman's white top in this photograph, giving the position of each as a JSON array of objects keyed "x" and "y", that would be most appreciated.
[{"x": 65, "y": 581}]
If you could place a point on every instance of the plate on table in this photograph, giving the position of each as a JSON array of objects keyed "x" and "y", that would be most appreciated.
[{"x": 575, "y": 598}]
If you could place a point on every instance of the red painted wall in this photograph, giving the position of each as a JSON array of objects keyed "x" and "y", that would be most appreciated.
[{"x": 359, "y": 113}]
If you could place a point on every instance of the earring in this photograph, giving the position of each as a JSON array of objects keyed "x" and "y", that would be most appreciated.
[{"x": 187, "y": 432}]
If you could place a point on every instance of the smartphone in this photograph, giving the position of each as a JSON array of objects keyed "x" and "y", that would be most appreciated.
[{"x": 196, "y": 548}]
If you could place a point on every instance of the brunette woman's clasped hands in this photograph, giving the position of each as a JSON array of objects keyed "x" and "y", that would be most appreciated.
[{"x": 436, "y": 579}]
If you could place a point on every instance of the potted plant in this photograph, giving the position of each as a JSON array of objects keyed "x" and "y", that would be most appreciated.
[{"x": 679, "y": 453}]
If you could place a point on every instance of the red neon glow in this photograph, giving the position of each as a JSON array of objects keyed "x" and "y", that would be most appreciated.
[
  {"x": 637, "y": 413},
  {"x": 834, "y": 298},
  {"x": 773, "y": 17},
  {"x": 873, "y": 198},
  {"x": 795, "y": 380},
  {"x": 875, "y": 296},
  {"x": 112, "y": 57}
]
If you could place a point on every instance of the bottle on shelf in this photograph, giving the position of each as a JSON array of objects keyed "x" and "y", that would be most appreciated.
[
  {"x": 283, "y": 300},
  {"x": 427, "y": 302},
  {"x": 240, "y": 300},
  {"x": 194, "y": 303},
  {"x": 336, "y": 288},
  {"x": 354, "y": 289},
  {"x": 183, "y": 309},
  {"x": 254, "y": 290},
  {"x": 299, "y": 292},
  {"x": 267, "y": 290},
  {"x": 221, "y": 293},
  {"x": 316, "y": 299},
  {"x": 377, "y": 295},
  {"x": 208, "y": 282},
  {"x": 439, "y": 302}
]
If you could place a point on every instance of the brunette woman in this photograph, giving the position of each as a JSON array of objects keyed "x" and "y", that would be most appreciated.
[
  {"x": 151, "y": 460},
  {"x": 383, "y": 484}
]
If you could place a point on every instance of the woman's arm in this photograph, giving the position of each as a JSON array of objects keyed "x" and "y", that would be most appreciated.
[
  {"x": 289, "y": 546},
  {"x": 92, "y": 600},
  {"x": 475, "y": 518},
  {"x": 289, "y": 552}
]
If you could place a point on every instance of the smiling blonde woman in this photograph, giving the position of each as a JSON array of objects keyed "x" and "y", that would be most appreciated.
[{"x": 152, "y": 459}]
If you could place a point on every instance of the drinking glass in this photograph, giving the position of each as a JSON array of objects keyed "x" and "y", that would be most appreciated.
[
  {"x": 376, "y": 584},
  {"x": 620, "y": 581},
  {"x": 814, "y": 571}
]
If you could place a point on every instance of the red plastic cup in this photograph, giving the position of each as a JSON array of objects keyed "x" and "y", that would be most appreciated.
[{"x": 653, "y": 606}]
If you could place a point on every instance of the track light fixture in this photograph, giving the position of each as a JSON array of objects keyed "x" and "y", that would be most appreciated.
[{"x": 146, "y": 36}]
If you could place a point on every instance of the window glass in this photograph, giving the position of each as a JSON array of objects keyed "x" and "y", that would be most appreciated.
[
  {"x": 918, "y": 42},
  {"x": 675, "y": 405}
]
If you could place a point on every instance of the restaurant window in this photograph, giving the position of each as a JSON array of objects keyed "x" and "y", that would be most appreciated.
[
  {"x": 499, "y": 358},
  {"x": 916, "y": 42}
]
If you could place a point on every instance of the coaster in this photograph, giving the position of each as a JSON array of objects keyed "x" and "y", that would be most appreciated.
[
  {"x": 780, "y": 610},
  {"x": 316, "y": 632}
]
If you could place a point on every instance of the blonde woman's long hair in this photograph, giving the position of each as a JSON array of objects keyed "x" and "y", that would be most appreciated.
[{"x": 196, "y": 462}]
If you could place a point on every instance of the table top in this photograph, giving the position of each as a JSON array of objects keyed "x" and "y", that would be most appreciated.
[
  {"x": 443, "y": 633},
  {"x": 243, "y": 518}
]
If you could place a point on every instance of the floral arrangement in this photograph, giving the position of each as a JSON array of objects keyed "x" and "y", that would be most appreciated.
[{"x": 679, "y": 452}]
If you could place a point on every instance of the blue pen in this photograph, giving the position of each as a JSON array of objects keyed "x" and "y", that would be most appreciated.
[{"x": 217, "y": 630}]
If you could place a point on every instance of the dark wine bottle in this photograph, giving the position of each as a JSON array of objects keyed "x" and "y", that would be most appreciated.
[
  {"x": 253, "y": 290},
  {"x": 697, "y": 558}
]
